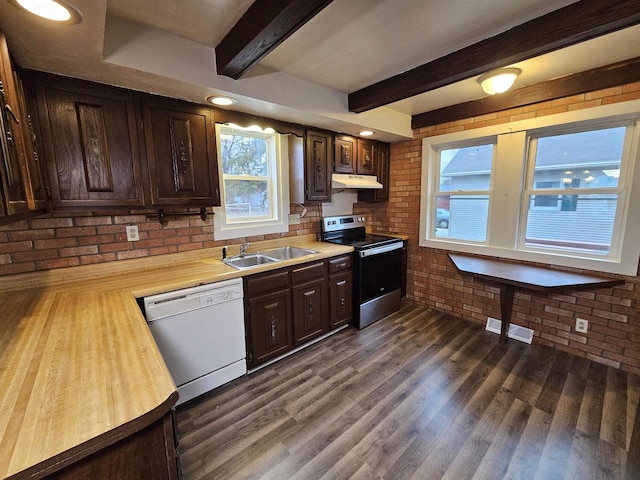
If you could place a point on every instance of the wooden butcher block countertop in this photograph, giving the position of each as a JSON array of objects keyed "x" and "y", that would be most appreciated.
[{"x": 79, "y": 368}]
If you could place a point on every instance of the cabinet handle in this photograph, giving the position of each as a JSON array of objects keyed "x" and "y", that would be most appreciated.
[
  {"x": 8, "y": 109},
  {"x": 184, "y": 158},
  {"x": 310, "y": 306},
  {"x": 273, "y": 328},
  {"x": 342, "y": 301}
]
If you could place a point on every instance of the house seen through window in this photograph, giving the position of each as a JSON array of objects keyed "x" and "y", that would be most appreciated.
[
  {"x": 580, "y": 170},
  {"x": 532, "y": 189}
]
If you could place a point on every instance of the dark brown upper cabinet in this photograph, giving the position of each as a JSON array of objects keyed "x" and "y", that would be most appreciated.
[
  {"x": 317, "y": 171},
  {"x": 36, "y": 189},
  {"x": 14, "y": 176},
  {"x": 365, "y": 158},
  {"x": 106, "y": 147},
  {"x": 381, "y": 171},
  {"x": 90, "y": 142},
  {"x": 345, "y": 154},
  {"x": 181, "y": 153}
]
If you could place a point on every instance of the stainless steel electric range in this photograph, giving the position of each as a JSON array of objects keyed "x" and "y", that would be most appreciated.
[{"x": 377, "y": 271}]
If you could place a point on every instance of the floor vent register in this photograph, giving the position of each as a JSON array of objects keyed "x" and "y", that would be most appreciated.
[{"x": 516, "y": 332}]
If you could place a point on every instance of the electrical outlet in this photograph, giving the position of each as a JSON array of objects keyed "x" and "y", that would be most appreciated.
[
  {"x": 132, "y": 233},
  {"x": 582, "y": 325},
  {"x": 294, "y": 219}
]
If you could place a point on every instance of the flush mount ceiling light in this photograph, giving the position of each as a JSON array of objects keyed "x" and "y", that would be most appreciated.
[
  {"x": 221, "y": 100},
  {"x": 498, "y": 81},
  {"x": 365, "y": 133},
  {"x": 55, "y": 10}
]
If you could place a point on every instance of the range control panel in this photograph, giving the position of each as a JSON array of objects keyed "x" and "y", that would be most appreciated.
[{"x": 343, "y": 222}]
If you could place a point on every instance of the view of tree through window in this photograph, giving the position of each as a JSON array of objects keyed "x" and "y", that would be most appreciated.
[{"x": 246, "y": 170}]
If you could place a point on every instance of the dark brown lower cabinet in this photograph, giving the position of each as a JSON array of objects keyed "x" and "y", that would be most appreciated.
[
  {"x": 268, "y": 316},
  {"x": 341, "y": 299},
  {"x": 340, "y": 290},
  {"x": 310, "y": 302},
  {"x": 291, "y": 306},
  {"x": 270, "y": 325},
  {"x": 147, "y": 453}
]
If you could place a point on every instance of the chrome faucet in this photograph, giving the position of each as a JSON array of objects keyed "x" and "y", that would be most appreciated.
[{"x": 243, "y": 248}]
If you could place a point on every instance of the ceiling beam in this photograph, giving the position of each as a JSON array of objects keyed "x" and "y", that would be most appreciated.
[
  {"x": 561, "y": 28},
  {"x": 620, "y": 73},
  {"x": 265, "y": 25}
]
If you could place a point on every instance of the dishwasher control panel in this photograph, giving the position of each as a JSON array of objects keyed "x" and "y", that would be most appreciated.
[
  {"x": 213, "y": 298},
  {"x": 203, "y": 296}
]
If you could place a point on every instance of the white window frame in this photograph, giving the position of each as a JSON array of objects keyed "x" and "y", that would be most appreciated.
[
  {"x": 507, "y": 206},
  {"x": 545, "y": 192},
  {"x": 226, "y": 228}
]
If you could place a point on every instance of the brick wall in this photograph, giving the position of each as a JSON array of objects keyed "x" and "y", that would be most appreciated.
[
  {"x": 614, "y": 323},
  {"x": 55, "y": 241}
]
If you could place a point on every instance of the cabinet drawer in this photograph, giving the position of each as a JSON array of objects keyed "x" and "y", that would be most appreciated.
[
  {"x": 339, "y": 264},
  {"x": 308, "y": 272},
  {"x": 266, "y": 282}
]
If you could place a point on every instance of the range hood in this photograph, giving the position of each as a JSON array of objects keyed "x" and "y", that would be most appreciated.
[{"x": 341, "y": 180}]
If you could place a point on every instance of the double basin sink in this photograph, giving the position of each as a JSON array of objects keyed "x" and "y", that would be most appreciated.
[{"x": 272, "y": 255}]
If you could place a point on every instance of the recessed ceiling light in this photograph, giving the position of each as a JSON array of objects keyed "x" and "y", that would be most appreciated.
[
  {"x": 365, "y": 133},
  {"x": 221, "y": 100},
  {"x": 55, "y": 10}
]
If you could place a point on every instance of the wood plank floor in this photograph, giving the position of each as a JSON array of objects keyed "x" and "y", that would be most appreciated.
[{"x": 417, "y": 395}]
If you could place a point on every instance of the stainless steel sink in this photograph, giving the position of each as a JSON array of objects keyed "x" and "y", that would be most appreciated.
[
  {"x": 249, "y": 260},
  {"x": 287, "y": 253}
]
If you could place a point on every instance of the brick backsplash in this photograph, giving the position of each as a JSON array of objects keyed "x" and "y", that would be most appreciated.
[
  {"x": 614, "y": 323},
  {"x": 56, "y": 241}
]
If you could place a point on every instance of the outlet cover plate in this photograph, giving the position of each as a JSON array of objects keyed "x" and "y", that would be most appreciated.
[
  {"x": 294, "y": 219},
  {"x": 582, "y": 325},
  {"x": 132, "y": 233}
]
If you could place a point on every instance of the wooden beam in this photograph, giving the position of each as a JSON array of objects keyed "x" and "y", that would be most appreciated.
[
  {"x": 619, "y": 73},
  {"x": 561, "y": 28},
  {"x": 265, "y": 25}
]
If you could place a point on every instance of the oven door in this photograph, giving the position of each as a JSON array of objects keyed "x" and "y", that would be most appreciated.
[{"x": 378, "y": 272}]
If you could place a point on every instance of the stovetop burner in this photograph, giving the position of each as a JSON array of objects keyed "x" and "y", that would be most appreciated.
[{"x": 368, "y": 241}]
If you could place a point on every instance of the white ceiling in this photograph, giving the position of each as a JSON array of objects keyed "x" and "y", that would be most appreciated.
[{"x": 167, "y": 47}]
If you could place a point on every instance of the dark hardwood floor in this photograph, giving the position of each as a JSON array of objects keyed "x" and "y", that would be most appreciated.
[{"x": 417, "y": 395}]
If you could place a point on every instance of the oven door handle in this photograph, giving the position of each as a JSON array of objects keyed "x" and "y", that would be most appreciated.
[{"x": 379, "y": 250}]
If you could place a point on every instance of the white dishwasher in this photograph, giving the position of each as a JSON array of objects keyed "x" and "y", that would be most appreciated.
[{"x": 200, "y": 334}]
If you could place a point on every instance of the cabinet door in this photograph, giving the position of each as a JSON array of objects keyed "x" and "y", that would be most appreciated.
[
  {"x": 365, "y": 158},
  {"x": 382, "y": 166},
  {"x": 14, "y": 195},
  {"x": 181, "y": 153},
  {"x": 310, "y": 316},
  {"x": 270, "y": 326},
  {"x": 11, "y": 139},
  {"x": 382, "y": 172},
  {"x": 344, "y": 155},
  {"x": 341, "y": 299},
  {"x": 318, "y": 159},
  {"x": 36, "y": 191},
  {"x": 90, "y": 144}
]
